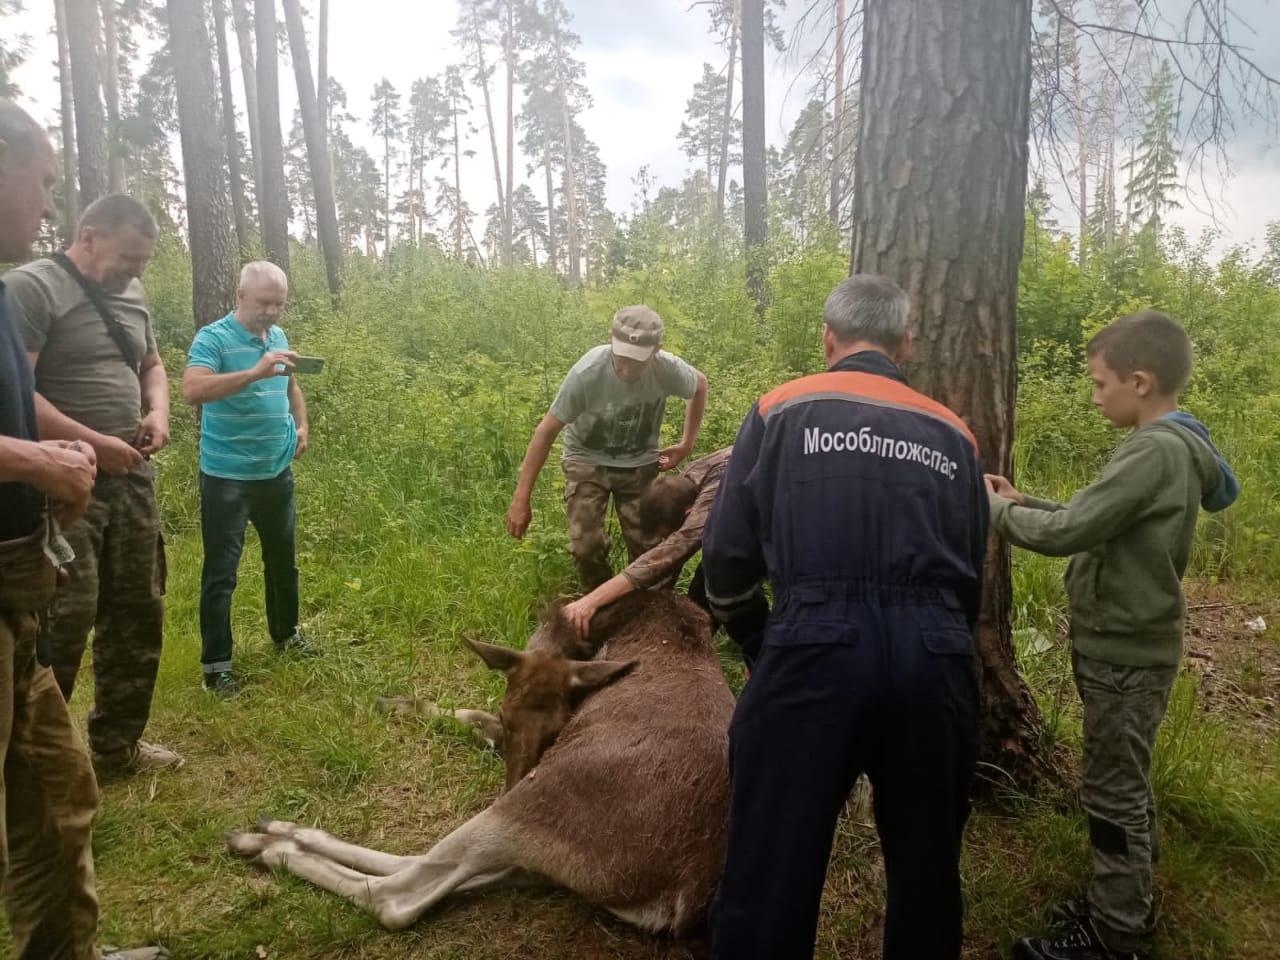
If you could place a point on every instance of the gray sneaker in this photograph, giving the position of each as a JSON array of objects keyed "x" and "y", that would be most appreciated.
[
  {"x": 222, "y": 683},
  {"x": 297, "y": 645},
  {"x": 136, "y": 758},
  {"x": 137, "y": 953}
]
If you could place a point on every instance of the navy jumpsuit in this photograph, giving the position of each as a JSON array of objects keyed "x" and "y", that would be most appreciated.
[{"x": 862, "y": 501}]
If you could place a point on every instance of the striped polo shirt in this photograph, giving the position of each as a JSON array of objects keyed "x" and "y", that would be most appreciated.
[{"x": 249, "y": 435}]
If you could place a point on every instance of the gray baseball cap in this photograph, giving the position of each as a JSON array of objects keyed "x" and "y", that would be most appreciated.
[{"x": 637, "y": 332}]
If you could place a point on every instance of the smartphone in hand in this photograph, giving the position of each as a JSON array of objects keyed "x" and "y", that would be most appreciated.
[{"x": 308, "y": 365}]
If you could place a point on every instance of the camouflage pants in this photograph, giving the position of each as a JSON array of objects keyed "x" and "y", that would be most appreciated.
[
  {"x": 48, "y": 792},
  {"x": 1123, "y": 709},
  {"x": 115, "y": 591},
  {"x": 587, "y": 490}
]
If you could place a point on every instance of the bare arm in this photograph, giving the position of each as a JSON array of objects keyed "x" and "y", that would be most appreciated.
[
  {"x": 544, "y": 435},
  {"x": 580, "y": 612},
  {"x": 153, "y": 431},
  {"x": 672, "y": 457},
  {"x": 298, "y": 408},
  {"x": 61, "y": 473},
  {"x": 202, "y": 385}
]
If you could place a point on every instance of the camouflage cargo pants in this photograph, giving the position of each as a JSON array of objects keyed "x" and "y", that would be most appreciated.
[
  {"x": 587, "y": 491},
  {"x": 1123, "y": 709},
  {"x": 48, "y": 792},
  {"x": 115, "y": 591}
]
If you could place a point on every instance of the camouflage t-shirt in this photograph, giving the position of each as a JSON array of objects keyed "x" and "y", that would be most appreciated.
[
  {"x": 616, "y": 424},
  {"x": 80, "y": 370}
]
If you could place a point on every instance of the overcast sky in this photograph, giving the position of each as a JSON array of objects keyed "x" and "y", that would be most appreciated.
[{"x": 642, "y": 59}]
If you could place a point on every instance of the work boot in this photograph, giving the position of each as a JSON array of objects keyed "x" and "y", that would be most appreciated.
[
  {"x": 136, "y": 758},
  {"x": 1080, "y": 942},
  {"x": 297, "y": 645},
  {"x": 222, "y": 683}
]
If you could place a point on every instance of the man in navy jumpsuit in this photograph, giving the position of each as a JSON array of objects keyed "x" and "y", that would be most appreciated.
[{"x": 863, "y": 503}]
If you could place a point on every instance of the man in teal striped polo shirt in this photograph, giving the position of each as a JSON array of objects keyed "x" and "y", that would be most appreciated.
[{"x": 253, "y": 425}]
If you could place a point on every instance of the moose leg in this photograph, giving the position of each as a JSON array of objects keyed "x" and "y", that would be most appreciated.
[
  {"x": 485, "y": 725},
  {"x": 314, "y": 840},
  {"x": 471, "y": 857}
]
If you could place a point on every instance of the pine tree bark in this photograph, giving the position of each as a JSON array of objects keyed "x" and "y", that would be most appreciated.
[
  {"x": 91, "y": 121},
  {"x": 483, "y": 76},
  {"x": 754, "y": 184},
  {"x": 551, "y": 205},
  {"x": 726, "y": 128},
  {"x": 275, "y": 196},
  {"x": 208, "y": 220},
  {"x": 249, "y": 77},
  {"x": 570, "y": 187},
  {"x": 111, "y": 90},
  {"x": 939, "y": 199},
  {"x": 457, "y": 187},
  {"x": 508, "y": 222},
  {"x": 317, "y": 155},
  {"x": 70, "y": 190},
  {"x": 837, "y": 119},
  {"x": 239, "y": 205}
]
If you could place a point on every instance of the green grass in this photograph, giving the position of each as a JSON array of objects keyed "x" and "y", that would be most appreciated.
[{"x": 435, "y": 377}]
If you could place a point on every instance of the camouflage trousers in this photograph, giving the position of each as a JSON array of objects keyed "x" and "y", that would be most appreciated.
[
  {"x": 587, "y": 491},
  {"x": 115, "y": 590},
  {"x": 1123, "y": 709},
  {"x": 48, "y": 792}
]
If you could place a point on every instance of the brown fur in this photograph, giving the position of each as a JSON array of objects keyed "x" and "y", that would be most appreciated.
[{"x": 627, "y": 807}]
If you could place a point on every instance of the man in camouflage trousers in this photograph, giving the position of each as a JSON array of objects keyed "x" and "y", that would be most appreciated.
[
  {"x": 612, "y": 403},
  {"x": 100, "y": 381},
  {"x": 48, "y": 794}
]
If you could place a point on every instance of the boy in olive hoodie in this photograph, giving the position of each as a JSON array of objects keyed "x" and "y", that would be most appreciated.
[{"x": 1129, "y": 535}]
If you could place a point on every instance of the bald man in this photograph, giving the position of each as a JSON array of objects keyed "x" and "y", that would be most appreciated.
[{"x": 253, "y": 426}]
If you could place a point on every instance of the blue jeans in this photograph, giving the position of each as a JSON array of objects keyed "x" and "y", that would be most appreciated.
[{"x": 226, "y": 507}]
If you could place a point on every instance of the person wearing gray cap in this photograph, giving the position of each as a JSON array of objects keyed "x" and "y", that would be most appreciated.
[{"x": 612, "y": 402}]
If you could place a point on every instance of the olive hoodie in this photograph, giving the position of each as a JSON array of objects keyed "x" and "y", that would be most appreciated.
[{"x": 1129, "y": 535}]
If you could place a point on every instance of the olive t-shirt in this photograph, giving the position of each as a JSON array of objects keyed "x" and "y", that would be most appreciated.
[{"x": 81, "y": 371}]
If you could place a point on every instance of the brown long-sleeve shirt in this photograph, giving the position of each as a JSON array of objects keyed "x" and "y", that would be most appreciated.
[{"x": 665, "y": 560}]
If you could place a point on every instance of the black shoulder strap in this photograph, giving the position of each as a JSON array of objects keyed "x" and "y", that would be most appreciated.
[{"x": 94, "y": 292}]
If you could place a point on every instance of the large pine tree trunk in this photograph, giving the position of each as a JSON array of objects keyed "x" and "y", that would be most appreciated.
[
  {"x": 91, "y": 121},
  {"x": 939, "y": 194},
  {"x": 457, "y": 187},
  {"x": 238, "y": 201},
  {"x": 508, "y": 222},
  {"x": 570, "y": 186},
  {"x": 837, "y": 119},
  {"x": 551, "y": 205},
  {"x": 70, "y": 190},
  {"x": 726, "y": 128},
  {"x": 111, "y": 89},
  {"x": 317, "y": 154},
  {"x": 208, "y": 221},
  {"x": 275, "y": 195},
  {"x": 483, "y": 77},
  {"x": 249, "y": 75},
  {"x": 754, "y": 184}
]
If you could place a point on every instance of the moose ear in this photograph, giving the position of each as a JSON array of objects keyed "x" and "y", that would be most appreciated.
[
  {"x": 497, "y": 658},
  {"x": 591, "y": 674}
]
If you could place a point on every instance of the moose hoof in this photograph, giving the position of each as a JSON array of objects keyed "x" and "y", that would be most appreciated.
[
  {"x": 244, "y": 844},
  {"x": 277, "y": 853},
  {"x": 277, "y": 828}
]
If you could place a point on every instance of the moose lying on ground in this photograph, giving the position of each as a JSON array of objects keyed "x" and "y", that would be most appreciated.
[{"x": 622, "y": 796}]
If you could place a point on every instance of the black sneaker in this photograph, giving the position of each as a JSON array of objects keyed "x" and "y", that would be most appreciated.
[
  {"x": 297, "y": 645},
  {"x": 223, "y": 683},
  {"x": 1079, "y": 943}
]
